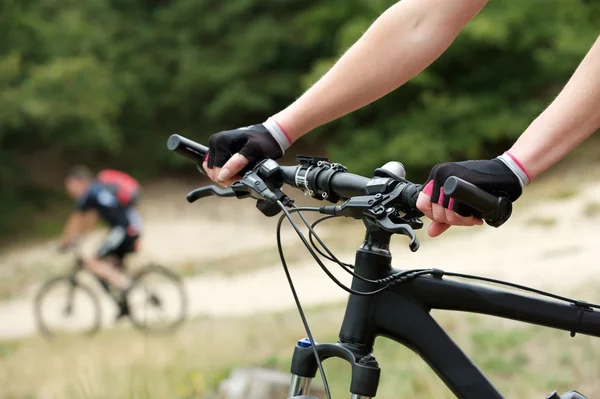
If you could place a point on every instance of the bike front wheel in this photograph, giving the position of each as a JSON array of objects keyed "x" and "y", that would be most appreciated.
[
  {"x": 157, "y": 300},
  {"x": 64, "y": 305}
]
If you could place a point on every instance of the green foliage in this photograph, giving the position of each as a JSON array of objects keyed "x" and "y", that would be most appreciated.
[
  {"x": 106, "y": 82},
  {"x": 501, "y": 71}
]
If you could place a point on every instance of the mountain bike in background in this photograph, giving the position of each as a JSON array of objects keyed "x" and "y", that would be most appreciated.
[
  {"x": 385, "y": 301},
  {"x": 157, "y": 301}
]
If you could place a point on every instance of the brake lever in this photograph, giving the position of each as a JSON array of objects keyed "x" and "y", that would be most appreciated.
[
  {"x": 388, "y": 225},
  {"x": 207, "y": 191}
]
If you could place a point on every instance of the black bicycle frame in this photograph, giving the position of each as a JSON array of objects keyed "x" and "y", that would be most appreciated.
[{"x": 402, "y": 313}]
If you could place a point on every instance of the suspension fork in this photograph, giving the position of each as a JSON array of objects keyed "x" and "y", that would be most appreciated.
[
  {"x": 357, "y": 334},
  {"x": 365, "y": 370}
]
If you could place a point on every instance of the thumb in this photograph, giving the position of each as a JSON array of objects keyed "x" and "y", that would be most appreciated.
[{"x": 232, "y": 167}]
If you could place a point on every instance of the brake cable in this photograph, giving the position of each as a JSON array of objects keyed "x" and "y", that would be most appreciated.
[
  {"x": 398, "y": 277},
  {"x": 402, "y": 276},
  {"x": 520, "y": 287},
  {"x": 287, "y": 214},
  {"x": 293, "y": 289},
  {"x": 329, "y": 256},
  {"x": 438, "y": 272}
]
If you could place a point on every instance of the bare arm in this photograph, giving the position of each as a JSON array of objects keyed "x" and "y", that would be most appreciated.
[
  {"x": 90, "y": 221},
  {"x": 571, "y": 118},
  {"x": 402, "y": 42},
  {"x": 76, "y": 224}
]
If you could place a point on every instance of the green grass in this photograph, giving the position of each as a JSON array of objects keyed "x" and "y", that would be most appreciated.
[
  {"x": 541, "y": 221},
  {"x": 592, "y": 209},
  {"x": 564, "y": 192},
  {"x": 523, "y": 361}
]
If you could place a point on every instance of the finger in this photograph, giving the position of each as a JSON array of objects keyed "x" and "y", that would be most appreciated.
[
  {"x": 229, "y": 182},
  {"x": 465, "y": 220},
  {"x": 225, "y": 183},
  {"x": 205, "y": 167},
  {"x": 216, "y": 171},
  {"x": 471, "y": 221},
  {"x": 453, "y": 218},
  {"x": 232, "y": 167},
  {"x": 424, "y": 204},
  {"x": 210, "y": 173},
  {"x": 436, "y": 229},
  {"x": 439, "y": 213},
  {"x": 428, "y": 189}
]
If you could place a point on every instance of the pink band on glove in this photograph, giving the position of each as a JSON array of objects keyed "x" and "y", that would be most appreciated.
[
  {"x": 519, "y": 164},
  {"x": 287, "y": 136},
  {"x": 428, "y": 189}
]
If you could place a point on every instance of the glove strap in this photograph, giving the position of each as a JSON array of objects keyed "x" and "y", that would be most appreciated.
[
  {"x": 278, "y": 134},
  {"x": 517, "y": 168}
]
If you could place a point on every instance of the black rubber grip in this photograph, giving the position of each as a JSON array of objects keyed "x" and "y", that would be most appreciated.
[
  {"x": 470, "y": 195},
  {"x": 185, "y": 147},
  {"x": 494, "y": 210},
  {"x": 409, "y": 196}
]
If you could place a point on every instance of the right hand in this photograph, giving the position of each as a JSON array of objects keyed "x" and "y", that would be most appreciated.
[
  {"x": 232, "y": 151},
  {"x": 64, "y": 247}
]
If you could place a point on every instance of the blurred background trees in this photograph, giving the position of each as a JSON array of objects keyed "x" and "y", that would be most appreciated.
[{"x": 105, "y": 82}]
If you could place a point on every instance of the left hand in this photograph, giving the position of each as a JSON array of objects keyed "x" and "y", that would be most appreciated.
[
  {"x": 443, "y": 218},
  {"x": 492, "y": 176}
]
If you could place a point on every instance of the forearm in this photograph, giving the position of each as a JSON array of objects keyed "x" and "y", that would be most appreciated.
[
  {"x": 73, "y": 228},
  {"x": 90, "y": 221},
  {"x": 571, "y": 118},
  {"x": 401, "y": 43}
]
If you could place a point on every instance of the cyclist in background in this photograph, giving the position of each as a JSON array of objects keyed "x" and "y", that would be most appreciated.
[
  {"x": 403, "y": 41},
  {"x": 111, "y": 196}
]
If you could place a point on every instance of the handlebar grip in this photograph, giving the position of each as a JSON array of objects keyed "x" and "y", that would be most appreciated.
[
  {"x": 494, "y": 210},
  {"x": 409, "y": 196},
  {"x": 185, "y": 147}
]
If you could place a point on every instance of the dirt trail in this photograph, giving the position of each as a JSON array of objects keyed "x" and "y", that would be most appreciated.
[{"x": 554, "y": 244}]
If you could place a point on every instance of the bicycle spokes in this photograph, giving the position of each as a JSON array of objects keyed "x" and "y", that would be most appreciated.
[
  {"x": 64, "y": 305},
  {"x": 156, "y": 300}
]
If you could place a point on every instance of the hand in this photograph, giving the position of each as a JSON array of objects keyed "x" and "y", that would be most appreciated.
[
  {"x": 500, "y": 176},
  {"x": 231, "y": 151},
  {"x": 64, "y": 247}
]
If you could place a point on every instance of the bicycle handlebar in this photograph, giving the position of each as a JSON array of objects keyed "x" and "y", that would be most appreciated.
[
  {"x": 187, "y": 148},
  {"x": 332, "y": 182},
  {"x": 344, "y": 185}
]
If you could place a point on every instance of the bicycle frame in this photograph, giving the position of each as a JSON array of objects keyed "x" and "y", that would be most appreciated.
[
  {"x": 402, "y": 313},
  {"x": 79, "y": 266}
]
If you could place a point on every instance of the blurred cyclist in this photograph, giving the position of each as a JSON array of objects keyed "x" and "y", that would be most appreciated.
[
  {"x": 402, "y": 42},
  {"x": 111, "y": 196}
]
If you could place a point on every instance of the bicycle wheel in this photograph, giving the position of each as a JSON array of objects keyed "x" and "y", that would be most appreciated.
[
  {"x": 157, "y": 300},
  {"x": 65, "y": 305}
]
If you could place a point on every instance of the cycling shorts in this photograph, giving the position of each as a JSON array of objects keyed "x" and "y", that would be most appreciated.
[{"x": 118, "y": 242}]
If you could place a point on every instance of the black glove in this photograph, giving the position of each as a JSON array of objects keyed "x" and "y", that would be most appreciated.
[
  {"x": 256, "y": 142},
  {"x": 501, "y": 176}
]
